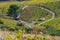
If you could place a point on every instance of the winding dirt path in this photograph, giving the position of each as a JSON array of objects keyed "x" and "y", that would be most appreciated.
[
  {"x": 44, "y": 8},
  {"x": 30, "y": 25}
]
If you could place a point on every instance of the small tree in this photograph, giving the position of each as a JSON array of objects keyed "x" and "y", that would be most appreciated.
[{"x": 12, "y": 11}]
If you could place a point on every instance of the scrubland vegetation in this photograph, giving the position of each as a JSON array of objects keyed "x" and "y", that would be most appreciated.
[{"x": 11, "y": 14}]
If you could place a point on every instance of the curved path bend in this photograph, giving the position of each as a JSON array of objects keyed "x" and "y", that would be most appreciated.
[
  {"x": 44, "y": 8},
  {"x": 30, "y": 25}
]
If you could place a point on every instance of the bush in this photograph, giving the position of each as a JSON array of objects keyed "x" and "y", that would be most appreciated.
[
  {"x": 12, "y": 11},
  {"x": 52, "y": 31},
  {"x": 1, "y": 22},
  {"x": 20, "y": 24},
  {"x": 58, "y": 33},
  {"x": 28, "y": 30}
]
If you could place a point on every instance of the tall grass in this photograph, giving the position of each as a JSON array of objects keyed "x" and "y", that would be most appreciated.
[{"x": 19, "y": 36}]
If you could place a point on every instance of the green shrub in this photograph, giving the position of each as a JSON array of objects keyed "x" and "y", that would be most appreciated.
[
  {"x": 20, "y": 24},
  {"x": 12, "y": 11},
  {"x": 58, "y": 33},
  {"x": 52, "y": 31},
  {"x": 1, "y": 22}
]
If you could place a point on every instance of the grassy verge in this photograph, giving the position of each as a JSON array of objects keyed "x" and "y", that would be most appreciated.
[{"x": 9, "y": 22}]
